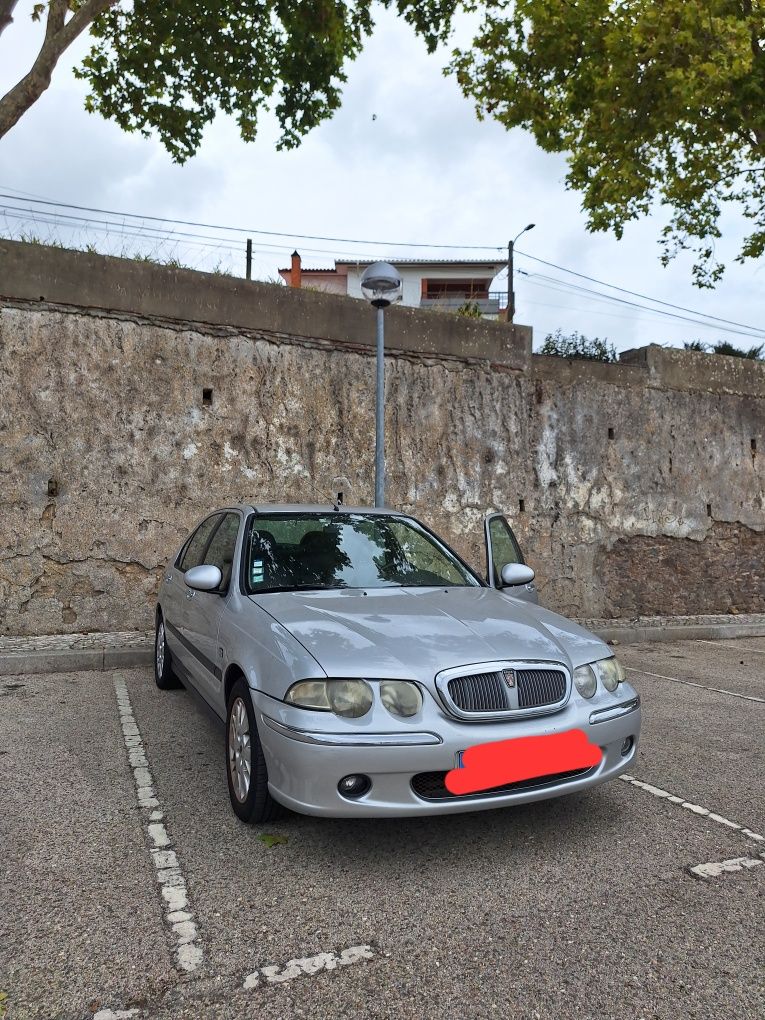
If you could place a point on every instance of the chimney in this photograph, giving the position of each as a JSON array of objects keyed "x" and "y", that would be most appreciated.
[{"x": 295, "y": 271}]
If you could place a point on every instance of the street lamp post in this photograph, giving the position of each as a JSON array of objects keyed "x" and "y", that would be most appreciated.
[
  {"x": 381, "y": 286},
  {"x": 510, "y": 273}
]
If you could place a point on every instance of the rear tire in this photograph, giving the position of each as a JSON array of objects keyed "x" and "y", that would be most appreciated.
[
  {"x": 164, "y": 676},
  {"x": 246, "y": 769}
]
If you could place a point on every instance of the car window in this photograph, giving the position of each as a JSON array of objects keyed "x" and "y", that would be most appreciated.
[
  {"x": 504, "y": 546},
  {"x": 220, "y": 552},
  {"x": 347, "y": 550},
  {"x": 193, "y": 554}
]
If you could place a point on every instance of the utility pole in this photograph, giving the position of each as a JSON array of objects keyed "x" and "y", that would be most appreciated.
[
  {"x": 249, "y": 258},
  {"x": 511, "y": 273}
]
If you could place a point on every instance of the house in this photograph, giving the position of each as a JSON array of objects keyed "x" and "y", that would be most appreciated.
[{"x": 442, "y": 284}]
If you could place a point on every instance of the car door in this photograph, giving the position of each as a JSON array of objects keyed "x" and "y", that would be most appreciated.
[
  {"x": 178, "y": 596},
  {"x": 205, "y": 608},
  {"x": 502, "y": 547}
]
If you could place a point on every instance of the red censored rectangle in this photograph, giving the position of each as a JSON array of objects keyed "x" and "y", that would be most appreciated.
[{"x": 511, "y": 761}]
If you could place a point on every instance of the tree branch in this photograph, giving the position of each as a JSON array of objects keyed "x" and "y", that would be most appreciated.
[
  {"x": 59, "y": 35},
  {"x": 6, "y": 13}
]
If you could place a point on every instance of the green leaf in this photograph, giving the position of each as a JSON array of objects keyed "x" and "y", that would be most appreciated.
[
  {"x": 271, "y": 840},
  {"x": 659, "y": 108},
  {"x": 168, "y": 69}
]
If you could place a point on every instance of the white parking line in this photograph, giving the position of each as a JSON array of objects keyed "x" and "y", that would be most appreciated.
[
  {"x": 301, "y": 967},
  {"x": 690, "y": 683},
  {"x": 714, "y": 870},
  {"x": 695, "y": 808},
  {"x": 172, "y": 884},
  {"x": 734, "y": 648},
  {"x": 118, "y": 1014}
]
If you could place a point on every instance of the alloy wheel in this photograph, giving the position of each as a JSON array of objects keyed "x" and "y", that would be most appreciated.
[
  {"x": 160, "y": 649},
  {"x": 239, "y": 749}
]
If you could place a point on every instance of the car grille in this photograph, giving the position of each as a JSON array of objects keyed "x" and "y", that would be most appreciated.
[
  {"x": 540, "y": 687},
  {"x": 488, "y": 692},
  {"x": 481, "y": 692},
  {"x": 431, "y": 785}
]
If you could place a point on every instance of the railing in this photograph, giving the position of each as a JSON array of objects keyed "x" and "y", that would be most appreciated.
[{"x": 486, "y": 306}]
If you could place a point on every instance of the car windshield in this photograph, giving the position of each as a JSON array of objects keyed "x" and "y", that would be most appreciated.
[{"x": 302, "y": 551}]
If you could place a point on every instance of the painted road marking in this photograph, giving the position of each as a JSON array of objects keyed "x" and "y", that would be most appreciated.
[
  {"x": 734, "y": 648},
  {"x": 714, "y": 870},
  {"x": 695, "y": 808},
  {"x": 172, "y": 885},
  {"x": 115, "y": 1014},
  {"x": 690, "y": 683},
  {"x": 308, "y": 965}
]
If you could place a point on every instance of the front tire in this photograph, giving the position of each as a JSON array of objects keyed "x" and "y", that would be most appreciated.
[
  {"x": 164, "y": 676},
  {"x": 246, "y": 769}
]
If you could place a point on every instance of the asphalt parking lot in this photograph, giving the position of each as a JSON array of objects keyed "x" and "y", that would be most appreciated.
[{"x": 585, "y": 906}]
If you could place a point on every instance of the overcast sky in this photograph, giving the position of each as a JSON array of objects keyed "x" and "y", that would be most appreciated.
[{"x": 405, "y": 160}]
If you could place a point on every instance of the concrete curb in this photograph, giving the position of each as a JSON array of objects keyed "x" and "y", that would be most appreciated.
[
  {"x": 72, "y": 660},
  {"x": 680, "y": 632}
]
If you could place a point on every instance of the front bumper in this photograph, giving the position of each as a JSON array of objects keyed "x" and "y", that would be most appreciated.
[{"x": 308, "y": 753}]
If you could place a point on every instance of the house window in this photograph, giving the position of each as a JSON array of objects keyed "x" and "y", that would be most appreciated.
[{"x": 476, "y": 290}]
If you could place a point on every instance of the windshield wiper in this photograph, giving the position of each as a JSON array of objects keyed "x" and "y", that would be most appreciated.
[{"x": 299, "y": 587}]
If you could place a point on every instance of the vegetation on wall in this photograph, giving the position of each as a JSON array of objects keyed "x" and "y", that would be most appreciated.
[
  {"x": 576, "y": 345},
  {"x": 754, "y": 353}
]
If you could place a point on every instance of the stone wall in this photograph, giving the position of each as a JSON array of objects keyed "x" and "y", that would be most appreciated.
[{"x": 636, "y": 488}]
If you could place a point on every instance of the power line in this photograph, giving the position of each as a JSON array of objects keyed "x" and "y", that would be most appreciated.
[
  {"x": 204, "y": 240},
  {"x": 634, "y": 293},
  {"x": 565, "y": 287},
  {"x": 654, "y": 314},
  {"x": 38, "y": 216},
  {"x": 176, "y": 236},
  {"x": 263, "y": 233}
]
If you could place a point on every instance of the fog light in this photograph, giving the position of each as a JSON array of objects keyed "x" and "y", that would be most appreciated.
[
  {"x": 627, "y": 745},
  {"x": 354, "y": 786}
]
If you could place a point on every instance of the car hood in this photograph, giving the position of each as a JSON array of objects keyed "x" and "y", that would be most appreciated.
[{"x": 414, "y": 633}]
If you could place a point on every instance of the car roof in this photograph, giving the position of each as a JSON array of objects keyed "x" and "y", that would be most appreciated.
[{"x": 318, "y": 508}]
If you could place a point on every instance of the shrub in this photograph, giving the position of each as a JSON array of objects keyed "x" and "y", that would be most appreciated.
[
  {"x": 724, "y": 347},
  {"x": 470, "y": 310},
  {"x": 576, "y": 345}
]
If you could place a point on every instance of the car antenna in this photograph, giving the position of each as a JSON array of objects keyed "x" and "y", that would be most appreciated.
[{"x": 338, "y": 502}]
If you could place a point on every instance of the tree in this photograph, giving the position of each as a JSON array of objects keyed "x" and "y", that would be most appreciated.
[
  {"x": 576, "y": 345},
  {"x": 754, "y": 353},
  {"x": 169, "y": 67},
  {"x": 656, "y": 104}
]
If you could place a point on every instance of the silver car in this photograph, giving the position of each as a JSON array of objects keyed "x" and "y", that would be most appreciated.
[{"x": 362, "y": 668}]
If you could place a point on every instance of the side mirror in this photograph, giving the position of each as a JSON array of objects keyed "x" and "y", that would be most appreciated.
[
  {"x": 513, "y": 574},
  {"x": 204, "y": 578}
]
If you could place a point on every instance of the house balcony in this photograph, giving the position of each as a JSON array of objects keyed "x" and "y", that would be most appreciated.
[{"x": 487, "y": 306}]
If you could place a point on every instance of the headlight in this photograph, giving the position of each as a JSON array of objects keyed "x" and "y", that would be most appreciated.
[
  {"x": 585, "y": 680},
  {"x": 347, "y": 698},
  {"x": 309, "y": 694},
  {"x": 611, "y": 673},
  {"x": 400, "y": 697}
]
